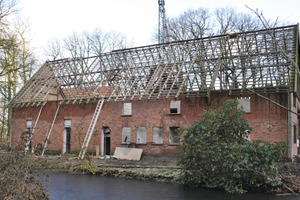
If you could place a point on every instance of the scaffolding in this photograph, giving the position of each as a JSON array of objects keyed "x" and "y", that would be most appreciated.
[{"x": 192, "y": 68}]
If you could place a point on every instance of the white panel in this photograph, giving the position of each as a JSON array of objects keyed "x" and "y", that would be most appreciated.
[
  {"x": 28, "y": 124},
  {"x": 157, "y": 135},
  {"x": 141, "y": 135},
  {"x": 68, "y": 123},
  {"x": 127, "y": 109},
  {"x": 244, "y": 104},
  {"x": 64, "y": 141},
  {"x": 126, "y": 135},
  {"x": 175, "y": 105}
]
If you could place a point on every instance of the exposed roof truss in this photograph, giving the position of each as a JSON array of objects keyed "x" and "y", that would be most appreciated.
[{"x": 171, "y": 70}]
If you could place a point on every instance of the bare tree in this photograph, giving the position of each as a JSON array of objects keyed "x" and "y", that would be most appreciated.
[
  {"x": 16, "y": 63},
  {"x": 189, "y": 25},
  {"x": 26, "y": 58},
  {"x": 201, "y": 23},
  {"x": 86, "y": 44},
  {"x": 7, "y": 7},
  {"x": 226, "y": 18},
  {"x": 54, "y": 50}
]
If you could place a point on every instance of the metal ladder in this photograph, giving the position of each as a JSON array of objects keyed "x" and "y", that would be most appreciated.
[
  {"x": 31, "y": 133},
  {"x": 48, "y": 136},
  {"x": 90, "y": 130}
]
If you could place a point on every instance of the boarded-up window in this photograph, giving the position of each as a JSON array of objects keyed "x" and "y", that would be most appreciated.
[
  {"x": 174, "y": 135},
  {"x": 175, "y": 107},
  {"x": 126, "y": 109},
  {"x": 126, "y": 135},
  {"x": 244, "y": 104},
  {"x": 68, "y": 123},
  {"x": 141, "y": 135},
  {"x": 157, "y": 135}
]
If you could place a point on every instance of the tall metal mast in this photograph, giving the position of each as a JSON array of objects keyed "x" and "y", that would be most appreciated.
[{"x": 162, "y": 25}]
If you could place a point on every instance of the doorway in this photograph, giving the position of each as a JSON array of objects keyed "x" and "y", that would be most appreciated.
[
  {"x": 67, "y": 137},
  {"x": 105, "y": 140}
]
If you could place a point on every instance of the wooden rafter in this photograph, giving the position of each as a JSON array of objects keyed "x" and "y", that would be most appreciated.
[{"x": 171, "y": 70}]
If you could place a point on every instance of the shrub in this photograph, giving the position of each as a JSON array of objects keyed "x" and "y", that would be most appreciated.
[
  {"x": 216, "y": 155},
  {"x": 17, "y": 181}
]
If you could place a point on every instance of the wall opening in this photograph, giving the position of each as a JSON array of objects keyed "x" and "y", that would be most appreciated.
[
  {"x": 157, "y": 135},
  {"x": 28, "y": 132},
  {"x": 295, "y": 134},
  {"x": 174, "y": 135},
  {"x": 127, "y": 111},
  {"x": 141, "y": 135},
  {"x": 175, "y": 107},
  {"x": 126, "y": 135},
  {"x": 67, "y": 137},
  {"x": 106, "y": 140},
  {"x": 244, "y": 104},
  {"x": 298, "y": 132}
]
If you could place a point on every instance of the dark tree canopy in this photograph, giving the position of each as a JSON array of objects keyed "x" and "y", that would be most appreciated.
[{"x": 216, "y": 155}]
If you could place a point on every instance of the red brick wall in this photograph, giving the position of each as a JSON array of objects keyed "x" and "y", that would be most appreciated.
[{"x": 268, "y": 121}]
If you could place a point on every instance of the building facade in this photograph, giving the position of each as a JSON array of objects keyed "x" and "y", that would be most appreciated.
[{"x": 149, "y": 92}]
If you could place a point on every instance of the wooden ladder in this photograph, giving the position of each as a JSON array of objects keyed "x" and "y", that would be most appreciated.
[
  {"x": 48, "y": 136},
  {"x": 90, "y": 130},
  {"x": 27, "y": 147}
]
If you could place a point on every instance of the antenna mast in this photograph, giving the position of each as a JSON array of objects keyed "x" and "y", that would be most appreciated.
[{"x": 162, "y": 25}]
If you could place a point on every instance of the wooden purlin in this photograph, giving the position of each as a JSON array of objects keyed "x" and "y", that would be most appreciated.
[
  {"x": 148, "y": 58},
  {"x": 184, "y": 68},
  {"x": 159, "y": 57},
  {"x": 50, "y": 83},
  {"x": 27, "y": 90}
]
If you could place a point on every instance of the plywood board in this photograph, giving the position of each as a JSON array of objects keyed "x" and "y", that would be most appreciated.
[{"x": 128, "y": 153}]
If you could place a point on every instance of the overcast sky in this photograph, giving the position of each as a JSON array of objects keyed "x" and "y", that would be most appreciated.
[{"x": 137, "y": 19}]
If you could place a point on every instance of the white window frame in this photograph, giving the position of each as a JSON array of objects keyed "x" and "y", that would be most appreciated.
[
  {"x": 127, "y": 109},
  {"x": 244, "y": 104},
  {"x": 175, "y": 107},
  {"x": 28, "y": 125},
  {"x": 125, "y": 134},
  {"x": 141, "y": 133},
  {"x": 158, "y": 135},
  {"x": 68, "y": 123}
]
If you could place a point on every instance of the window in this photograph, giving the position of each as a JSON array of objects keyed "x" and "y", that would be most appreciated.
[
  {"x": 68, "y": 123},
  {"x": 174, "y": 139},
  {"x": 28, "y": 125},
  {"x": 126, "y": 135},
  {"x": 175, "y": 107},
  {"x": 126, "y": 109},
  {"x": 295, "y": 134},
  {"x": 157, "y": 135},
  {"x": 142, "y": 135},
  {"x": 244, "y": 104}
]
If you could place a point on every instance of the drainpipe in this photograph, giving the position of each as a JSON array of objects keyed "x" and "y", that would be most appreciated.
[{"x": 290, "y": 138}]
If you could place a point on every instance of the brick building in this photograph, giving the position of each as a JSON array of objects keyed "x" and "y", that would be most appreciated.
[{"x": 138, "y": 97}]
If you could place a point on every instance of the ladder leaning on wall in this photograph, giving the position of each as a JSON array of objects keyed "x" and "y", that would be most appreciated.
[
  {"x": 90, "y": 130},
  {"x": 27, "y": 146},
  {"x": 48, "y": 136}
]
